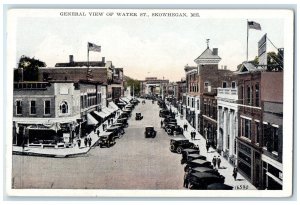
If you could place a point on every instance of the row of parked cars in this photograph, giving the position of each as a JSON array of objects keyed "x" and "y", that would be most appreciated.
[
  {"x": 170, "y": 123},
  {"x": 200, "y": 173},
  {"x": 116, "y": 130}
]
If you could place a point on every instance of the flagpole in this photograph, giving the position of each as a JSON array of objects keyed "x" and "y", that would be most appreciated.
[{"x": 247, "y": 37}]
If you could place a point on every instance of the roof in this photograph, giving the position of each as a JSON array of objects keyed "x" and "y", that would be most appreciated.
[
  {"x": 207, "y": 57},
  {"x": 248, "y": 67}
]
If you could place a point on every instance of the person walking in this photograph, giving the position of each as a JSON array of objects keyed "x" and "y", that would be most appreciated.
[
  {"x": 219, "y": 162},
  {"x": 85, "y": 141},
  {"x": 161, "y": 123},
  {"x": 234, "y": 174},
  {"x": 214, "y": 161},
  {"x": 79, "y": 143},
  {"x": 207, "y": 146},
  {"x": 95, "y": 129},
  {"x": 90, "y": 141},
  {"x": 98, "y": 132},
  {"x": 103, "y": 127},
  {"x": 192, "y": 135},
  {"x": 185, "y": 127}
]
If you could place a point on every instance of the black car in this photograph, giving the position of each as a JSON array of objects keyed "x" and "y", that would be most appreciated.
[
  {"x": 150, "y": 132},
  {"x": 179, "y": 143},
  {"x": 201, "y": 180},
  {"x": 170, "y": 128},
  {"x": 197, "y": 163},
  {"x": 187, "y": 157},
  {"x": 107, "y": 139},
  {"x": 138, "y": 116},
  {"x": 116, "y": 130},
  {"x": 168, "y": 120},
  {"x": 125, "y": 115}
]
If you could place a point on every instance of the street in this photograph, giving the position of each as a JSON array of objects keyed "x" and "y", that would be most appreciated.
[{"x": 134, "y": 162}]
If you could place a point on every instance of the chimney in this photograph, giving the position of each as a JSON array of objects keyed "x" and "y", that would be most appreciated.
[
  {"x": 225, "y": 67},
  {"x": 103, "y": 59},
  {"x": 71, "y": 59},
  {"x": 215, "y": 51}
]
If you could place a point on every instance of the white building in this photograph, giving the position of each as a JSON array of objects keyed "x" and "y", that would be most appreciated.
[{"x": 227, "y": 122}]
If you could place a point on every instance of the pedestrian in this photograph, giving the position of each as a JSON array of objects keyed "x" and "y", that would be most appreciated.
[
  {"x": 161, "y": 123},
  {"x": 90, "y": 141},
  {"x": 95, "y": 129},
  {"x": 207, "y": 147},
  {"x": 98, "y": 132},
  {"x": 234, "y": 174},
  {"x": 219, "y": 162},
  {"x": 192, "y": 135},
  {"x": 85, "y": 141},
  {"x": 186, "y": 176},
  {"x": 195, "y": 134},
  {"x": 103, "y": 126},
  {"x": 79, "y": 143},
  {"x": 214, "y": 161},
  {"x": 185, "y": 127},
  {"x": 111, "y": 121}
]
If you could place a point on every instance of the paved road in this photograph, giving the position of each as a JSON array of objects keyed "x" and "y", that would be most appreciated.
[{"x": 132, "y": 163}]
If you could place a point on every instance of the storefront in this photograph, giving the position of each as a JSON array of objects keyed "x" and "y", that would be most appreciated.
[{"x": 272, "y": 173}]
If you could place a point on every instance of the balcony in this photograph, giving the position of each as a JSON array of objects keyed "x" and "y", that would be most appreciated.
[
  {"x": 31, "y": 85},
  {"x": 228, "y": 93}
]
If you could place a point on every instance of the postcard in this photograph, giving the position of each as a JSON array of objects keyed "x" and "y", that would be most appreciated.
[{"x": 149, "y": 102}]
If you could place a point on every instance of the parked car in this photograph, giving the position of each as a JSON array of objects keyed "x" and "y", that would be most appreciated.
[
  {"x": 168, "y": 120},
  {"x": 107, "y": 139},
  {"x": 187, "y": 157},
  {"x": 205, "y": 169},
  {"x": 170, "y": 128},
  {"x": 125, "y": 115},
  {"x": 201, "y": 180},
  {"x": 179, "y": 143},
  {"x": 197, "y": 163},
  {"x": 123, "y": 121},
  {"x": 138, "y": 116},
  {"x": 150, "y": 132},
  {"x": 219, "y": 186},
  {"x": 123, "y": 125},
  {"x": 116, "y": 130}
]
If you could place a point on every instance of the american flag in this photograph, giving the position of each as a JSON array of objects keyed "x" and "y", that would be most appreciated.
[
  {"x": 254, "y": 25},
  {"x": 93, "y": 47}
]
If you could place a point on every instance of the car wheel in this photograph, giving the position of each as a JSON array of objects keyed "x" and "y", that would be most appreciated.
[
  {"x": 179, "y": 150},
  {"x": 169, "y": 131},
  {"x": 172, "y": 148}
]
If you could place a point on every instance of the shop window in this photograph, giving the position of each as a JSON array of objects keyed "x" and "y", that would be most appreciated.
[
  {"x": 271, "y": 138},
  {"x": 19, "y": 107},
  {"x": 224, "y": 84},
  {"x": 63, "y": 107},
  {"x": 233, "y": 84},
  {"x": 47, "y": 107},
  {"x": 246, "y": 128},
  {"x": 249, "y": 95}
]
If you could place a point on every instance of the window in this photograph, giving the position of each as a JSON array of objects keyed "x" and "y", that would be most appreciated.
[
  {"x": 233, "y": 84},
  {"x": 242, "y": 94},
  {"x": 257, "y": 95},
  {"x": 206, "y": 84},
  {"x": 188, "y": 101},
  {"x": 32, "y": 107},
  {"x": 257, "y": 129},
  {"x": 192, "y": 102},
  {"x": 271, "y": 137},
  {"x": 63, "y": 107},
  {"x": 81, "y": 101},
  {"x": 224, "y": 84},
  {"x": 19, "y": 107},
  {"x": 249, "y": 95},
  {"x": 47, "y": 107},
  {"x": 246, "y": 128},
  {"x": 198, "y": 105}
]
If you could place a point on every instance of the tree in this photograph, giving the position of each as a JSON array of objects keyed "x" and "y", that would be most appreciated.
[
  {"x": 30, "y": 67},
  {"x": 133, "y": 83}
]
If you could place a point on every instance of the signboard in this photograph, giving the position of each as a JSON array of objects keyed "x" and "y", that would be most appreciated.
[{"x": 262, "y": 50}]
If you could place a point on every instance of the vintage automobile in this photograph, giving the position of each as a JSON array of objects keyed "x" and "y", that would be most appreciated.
[
  {"x": 138, "y": 116},
  {"x": 168, "y": 120},
  {"x": 123, "y": 121},
  {"x": 150, "y": 132},
  {"x": 116, "y": 130},
  {"x": 107, "y": 139},
  {"x": 201, "y": 180},
  {"x": 179, "y": 143},
  {"x": 205, "y": 169},
  {"x": 187, "y": 157},
  {"x": 219, "y": 186},
  {"x": 124, "y": 115},
  {"x": 197, "y": 163},
  {"x": 170, "y": 128},
  {"x": 123, "y": 125}
]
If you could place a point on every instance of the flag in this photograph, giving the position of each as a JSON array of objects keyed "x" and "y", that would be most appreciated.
[
  {"x": 254, "y": 25},
  {"x": 93, "y": 47}
]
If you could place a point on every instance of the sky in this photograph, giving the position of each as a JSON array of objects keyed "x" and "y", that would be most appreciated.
[{"x": 144, "y": 47}]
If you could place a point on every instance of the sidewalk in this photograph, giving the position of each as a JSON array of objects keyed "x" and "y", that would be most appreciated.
[
  {"x": 226, "y": 168},
  {"x": 62, "y": 152}
]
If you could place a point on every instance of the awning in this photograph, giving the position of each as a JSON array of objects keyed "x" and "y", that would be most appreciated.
[
  {"x": 91, "y": 120},
  {"x": 113, "y": 106},
  {"x": 101, "y": 114}
]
